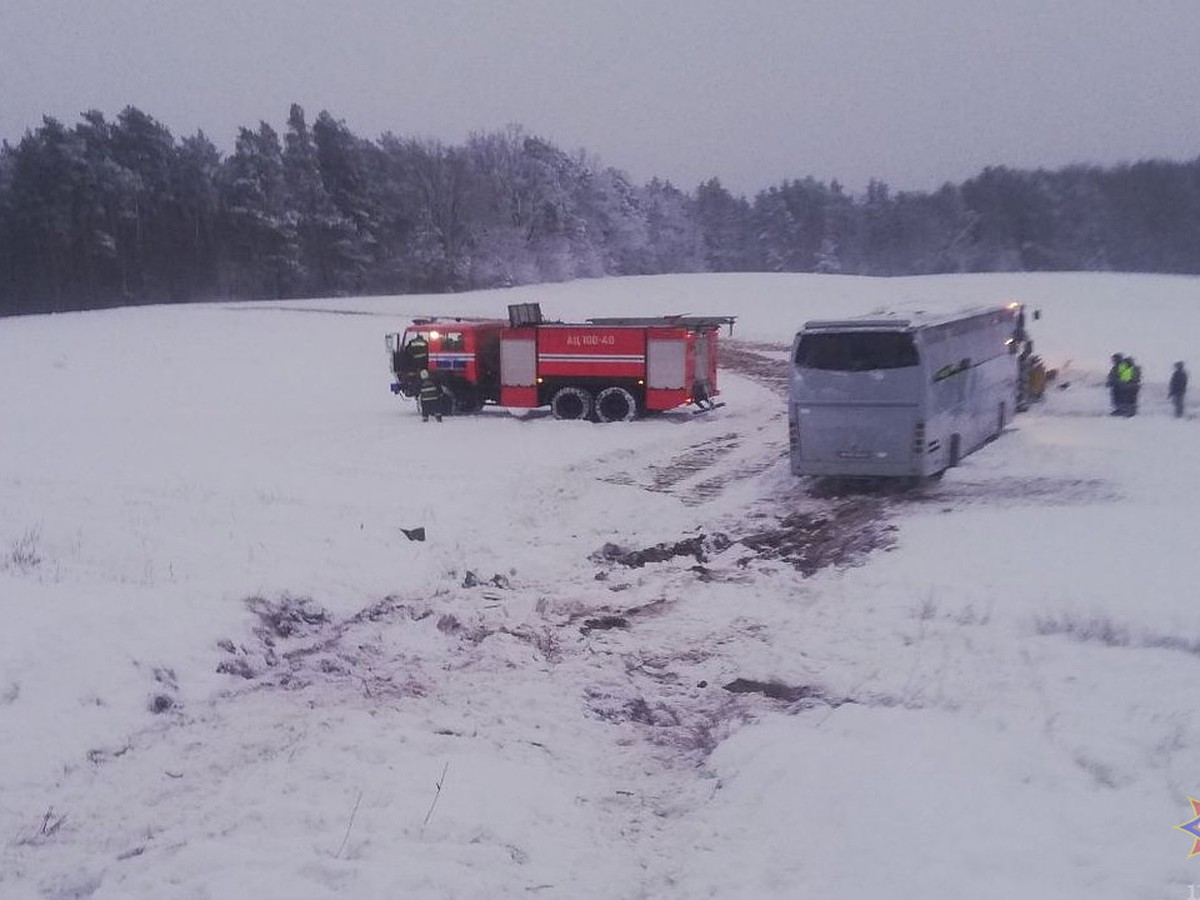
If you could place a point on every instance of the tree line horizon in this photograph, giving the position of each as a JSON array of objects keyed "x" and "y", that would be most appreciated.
[{"x": 113, "y": 213}]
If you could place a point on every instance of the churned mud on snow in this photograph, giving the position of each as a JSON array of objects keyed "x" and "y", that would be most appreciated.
[
  {"x": 699, "y": 547},
  {"x": 758, "y": 361},
  {"x": 807, "y": 694},
  {"x": 839, "y": 534},
  {"x": 397, "y": 650}
]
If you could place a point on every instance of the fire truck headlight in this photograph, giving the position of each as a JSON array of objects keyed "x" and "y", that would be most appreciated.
[{"x": 434, "y": 335}]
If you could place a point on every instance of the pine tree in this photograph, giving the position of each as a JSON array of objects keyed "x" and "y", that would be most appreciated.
[
  {"x": 730, "y": 244},
  {"x": 318, "y": 223},
  {"x": 349, "y": 224},
  {"x": 260, "y": 231},
  {"x": 196, "y": 174},
  {"x": 673, "y": 229}
]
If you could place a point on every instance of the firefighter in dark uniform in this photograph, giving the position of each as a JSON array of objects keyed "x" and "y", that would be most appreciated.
[
  {"x": 1113, "y": 384},
  {"x": 1024, "y": 376},
  {"x": 430, "y": 397},
  {"x": 1177, "y": 388},
  {"x": 417, "y": 353}
]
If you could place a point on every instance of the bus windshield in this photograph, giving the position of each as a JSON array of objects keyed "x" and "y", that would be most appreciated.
[{"x": 856, "y": 351}]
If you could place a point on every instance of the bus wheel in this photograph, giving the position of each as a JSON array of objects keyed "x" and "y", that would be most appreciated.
[
  {"x": 571, "y": 403},
  {"x": 955, "y": 450},
  {"x": 615, "y": 404},
  {"x": 922, "y": 482}
]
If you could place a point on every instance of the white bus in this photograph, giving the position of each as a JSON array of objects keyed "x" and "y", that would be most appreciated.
[{"x": 900, "y": 396}]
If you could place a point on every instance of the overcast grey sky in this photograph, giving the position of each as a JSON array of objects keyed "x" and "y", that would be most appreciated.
[{"x": 915, "y": 92}]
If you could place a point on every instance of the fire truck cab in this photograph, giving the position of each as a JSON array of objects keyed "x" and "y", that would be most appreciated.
[{"x": 461, "y": 355}]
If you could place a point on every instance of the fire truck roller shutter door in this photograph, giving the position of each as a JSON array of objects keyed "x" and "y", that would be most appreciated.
[
  {"x": 518, "y": 361},
  {"x": 615, "y": 404},
  {"x": 571, "y": 403},
  {"x": 666, "y": 364}
]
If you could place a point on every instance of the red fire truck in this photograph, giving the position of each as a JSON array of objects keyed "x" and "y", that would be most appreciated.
[{"x": 611, "y": 369}]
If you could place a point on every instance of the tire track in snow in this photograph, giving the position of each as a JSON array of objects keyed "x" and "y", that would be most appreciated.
[{"x": 683, "y": 473}]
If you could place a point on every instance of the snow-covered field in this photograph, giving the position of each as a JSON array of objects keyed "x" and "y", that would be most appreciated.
[{"x": 225, "y": 672}]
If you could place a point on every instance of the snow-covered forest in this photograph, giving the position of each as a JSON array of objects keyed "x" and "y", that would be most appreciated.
[{"x": 106, "y": 213}]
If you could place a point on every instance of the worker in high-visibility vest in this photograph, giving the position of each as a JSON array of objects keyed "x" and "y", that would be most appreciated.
[
  {"x": 1126, "y": 387},
  {"x": 1037, "y": 379}
]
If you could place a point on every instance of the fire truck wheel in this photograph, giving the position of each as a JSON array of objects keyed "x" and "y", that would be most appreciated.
[
  {"x": 465, "y": 398},
  {"x": 615, "y": 404},
  {"x": 571, "y": 403}
]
